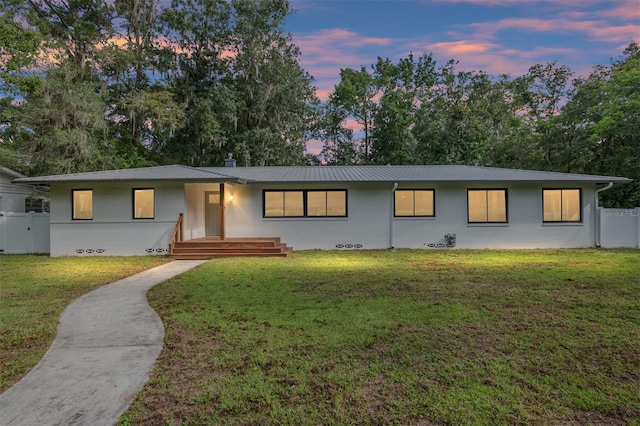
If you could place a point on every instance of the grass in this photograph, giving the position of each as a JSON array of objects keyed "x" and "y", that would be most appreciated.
[
  {"x": 33, "y": 292},
  {"x": 407, "y": 337}
]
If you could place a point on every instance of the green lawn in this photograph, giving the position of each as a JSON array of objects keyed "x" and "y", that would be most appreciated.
[
  {"x": 406, "y": 337},
  {"x": 33, "y": 292}
]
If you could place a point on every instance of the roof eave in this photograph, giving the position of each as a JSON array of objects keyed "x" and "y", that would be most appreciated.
[{"x": 36, "y": 181}]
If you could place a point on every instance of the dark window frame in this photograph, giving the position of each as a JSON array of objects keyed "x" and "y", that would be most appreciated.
[
  {"x": 563, "y": 189},
  {"x": 305, "y": 203},
  {"x": 264, "y": 204},
  {"x": 133, "y": 203},
  {"x": 73, "y": 210},
  {"x": 506, "y": 206},
  {"x": 433, "y": 192}
]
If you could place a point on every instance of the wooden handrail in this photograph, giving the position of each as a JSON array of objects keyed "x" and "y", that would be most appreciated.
[{"x": 178, "y": 233}]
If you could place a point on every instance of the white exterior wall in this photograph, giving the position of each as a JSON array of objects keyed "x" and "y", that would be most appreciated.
[
  {"x": 367, "y": 223},
  {"x": 370, "y": 223},
  {"x": 113, "y": 231},
  {"x": 370, "y": 219},
  {"x": 194, "y": 223},
  {"x": 524, "y": 229},
  {"x": 12, "y": 195}
]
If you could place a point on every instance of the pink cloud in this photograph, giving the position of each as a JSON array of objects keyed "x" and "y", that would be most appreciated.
[
  {"x": 625, "y": 11},
  {"x": 479, "y": 46},
  {"x": 314, "y": 146},
  {"x": 461, "y": 47},
  {"x": 494, "y": 58},
  {"x": 485, "y": 2},
  {"x": 324, "y": 92},
  {"x": 326, "y": 52},
  {"x": 352, "y": 124},
  {"x": 341, "y": 37},
  {"x": 597, "y": 30}
]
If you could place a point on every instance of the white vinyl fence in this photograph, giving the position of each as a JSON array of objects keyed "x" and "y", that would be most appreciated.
[
  {"x": 22, "y": 233},
  {"x": 619, "y": 227}
]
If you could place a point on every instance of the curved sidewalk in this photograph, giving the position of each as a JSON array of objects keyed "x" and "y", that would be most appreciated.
[{"x": 107, "y": 342}]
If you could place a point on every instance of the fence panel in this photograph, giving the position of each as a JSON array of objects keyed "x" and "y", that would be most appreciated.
[
  {"x": 22, "y": 233},
  {"x": 620, "y": 228}
]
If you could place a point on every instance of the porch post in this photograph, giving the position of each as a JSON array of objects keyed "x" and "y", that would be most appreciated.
[{"x": 223, "y": 202}]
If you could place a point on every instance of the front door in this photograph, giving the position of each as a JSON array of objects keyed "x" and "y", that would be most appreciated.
[{"x": 212, "y": 213}]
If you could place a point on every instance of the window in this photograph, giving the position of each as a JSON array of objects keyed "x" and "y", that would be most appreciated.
[
  {"x": 283, "y": 204},
  {"x": 305, "y": 203},
  {"x": 487, "y": 205},
  {"x": 561, "y": 205},
  {"x": 82, "y": 204},
  {"x": 143, "y": 203},
  {"x": 327, "y": 203},
  {"x": 414, "y": 202}
]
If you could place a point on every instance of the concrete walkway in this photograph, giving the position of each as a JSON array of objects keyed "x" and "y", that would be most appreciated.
[{"x": 107, "y": 342}]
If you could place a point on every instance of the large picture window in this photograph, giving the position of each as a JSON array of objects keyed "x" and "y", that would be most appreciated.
[
  {"x": 82, "y": 204},
  {"x": 561, "y": 205},
  {"x": 414, "y": 202},
  {"x": 283, "y": 204},
  {"x": 305, "y": 203},
  {"x": 487, "y": 205},
  {"x": 143, "y": 203}
]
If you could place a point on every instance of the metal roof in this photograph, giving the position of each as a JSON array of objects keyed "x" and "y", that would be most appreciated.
[
  {"x": 324, "y": 174},
  {"x": 159, "y": 173},
  {"x": 406, "y": 174},
  {"x": 11, "y": 172}
]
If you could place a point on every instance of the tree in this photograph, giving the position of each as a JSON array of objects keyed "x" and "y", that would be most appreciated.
[
  {"x": 73, "y": 30},
  {"x": 541, "y": 92},
  {"x": 454, "y": 124},
  {"x": 401, "y": 86},
  {"x": 19, "y": 48},
  {"x": 616, "y": 126},
  {"x": 338, "y": 148},
  {"x": 356, "y": 93},
  {"x": 142, "y": 109},
  {"x": 199, "y": 31},
  {"x": 43, "y": 124},
  {"x": 53, "y": 134},
  {"x": 272, "y": 93}
]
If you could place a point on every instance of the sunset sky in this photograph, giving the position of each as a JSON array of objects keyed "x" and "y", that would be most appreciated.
[{"x": 497, "y": 36}]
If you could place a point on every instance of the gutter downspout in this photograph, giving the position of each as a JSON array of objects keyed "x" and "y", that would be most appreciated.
[
  {"x": 393, "y": 191},
  {"x": 597, "y": 212}
]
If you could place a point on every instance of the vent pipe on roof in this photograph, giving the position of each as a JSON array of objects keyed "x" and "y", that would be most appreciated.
[{"x": 229, "y": 161}]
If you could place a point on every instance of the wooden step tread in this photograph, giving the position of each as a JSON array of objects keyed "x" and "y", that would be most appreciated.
[
  {"x": 211, "y": 247},
  {"x": 204, "y": 256}
]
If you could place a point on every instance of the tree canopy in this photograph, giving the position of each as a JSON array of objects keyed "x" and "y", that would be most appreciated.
[{"x": 97, "y": 84}]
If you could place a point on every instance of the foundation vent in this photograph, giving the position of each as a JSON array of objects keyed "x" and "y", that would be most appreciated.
[{"x": 349, "y": 246}]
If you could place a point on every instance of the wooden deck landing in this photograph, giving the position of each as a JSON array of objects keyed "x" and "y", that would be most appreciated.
[{"x": 211, "y": 247}]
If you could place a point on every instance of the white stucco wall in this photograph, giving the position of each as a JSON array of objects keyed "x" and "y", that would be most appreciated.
[
  {"x": 368, "y": 211},
  {"x": 370, "y": 223},
  {"x": 194, "y": 222},
  {"x": 113, "y": 231},
  {"x": 370, "y": 220}
]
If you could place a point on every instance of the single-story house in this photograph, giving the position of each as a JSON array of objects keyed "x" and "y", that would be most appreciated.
[
  {"x": 13, "y": 197},
  {"x": 136, "y": 211}
]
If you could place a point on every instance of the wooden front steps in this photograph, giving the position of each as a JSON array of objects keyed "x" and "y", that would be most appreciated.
[{"x": 212, "y": 247}]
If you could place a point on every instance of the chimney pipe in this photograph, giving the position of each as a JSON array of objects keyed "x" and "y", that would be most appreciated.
[{"x": 229, "y": 161}]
